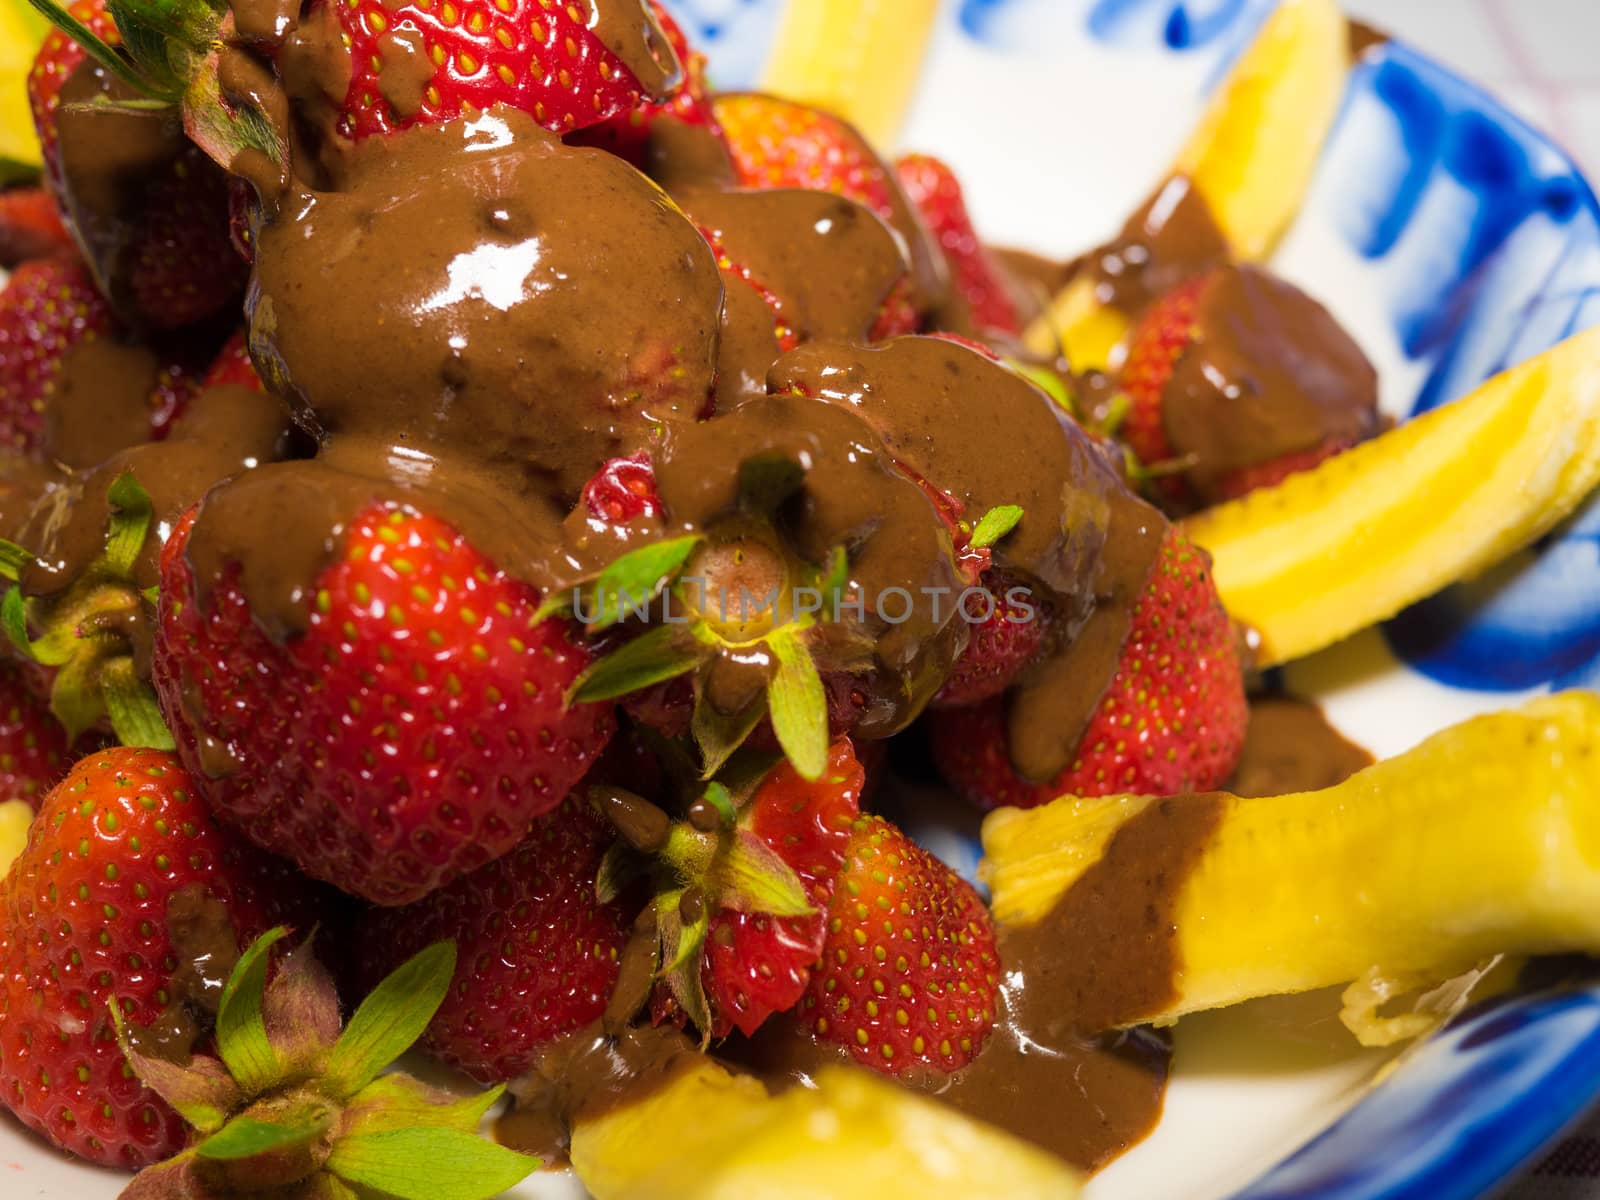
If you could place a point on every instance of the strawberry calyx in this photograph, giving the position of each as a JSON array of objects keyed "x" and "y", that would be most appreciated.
[
  {"x": 171, "y": 55},
  {"x": 292, "y": 1102},
  {"x": 711, "y": 862},
  {"x": 91, "y": 632},
  {"x": 750, "y": 619}
]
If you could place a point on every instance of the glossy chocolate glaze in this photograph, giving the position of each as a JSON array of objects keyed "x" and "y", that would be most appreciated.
[
  {"x": 1270, "y": 372},
  {"x": 1290, "y": 747},
  {"x": 1365, "y": 38},
  {"x": 1172, "y": 237},
  {"x": 224, "y": 431},
  {"x": 100, "y": 403}
]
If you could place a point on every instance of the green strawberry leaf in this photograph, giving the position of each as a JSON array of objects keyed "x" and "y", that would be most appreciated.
[
  {"x": 14, "y": 616},
  {"x": 400, "y": 1102},
  {"x": 390, "y": 1019},
  {"x": 636, "y": 578},
  {"x": 13, "y": 558},
  {"x": 131, "y": 513},
  {"x": 429, "y": 1163},
  {"x": 749, "y": 876},
  {"x": 666, "y": 652},
  {"x": 680, "y": 957},
  {"x": 1047, "y": 381},
  {"x": 301, "y": 1011},
  {"x": 833, "y": 579},
  {"x": 720, "y": 798},
  {"x": 241, "y": 1033},
  {"x": 131, "y": 704},
  {"x": 246, "y": 1137},
  {"x": 203, "y": 1093},
  {"x": 718, "y": 735},
  {"x": 995, "y": 524},
  {"x": 620, "y": 866},
  {"x": 798, "y": 705},
  {"x": 94, "y": 46}
]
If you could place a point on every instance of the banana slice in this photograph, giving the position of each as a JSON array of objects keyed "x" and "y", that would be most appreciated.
[
  {"x": 20, "y": 37},
  {"x": 1484, "y": 840},
  {"x": 1252, "y": 158},
  {"x": 1435, "y": 500},
  {"x": 861, "y": 59},
  {"x": 712, "y": 1135},
  {"x": 15, "y": 818}
]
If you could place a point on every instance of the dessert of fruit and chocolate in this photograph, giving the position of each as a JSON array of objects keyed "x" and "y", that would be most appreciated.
[{"x": 519, "y": 510}]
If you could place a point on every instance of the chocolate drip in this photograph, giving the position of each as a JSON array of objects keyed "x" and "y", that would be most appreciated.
[
  {"x": 1291, "y": 747},
  {"x": 1171, "y": 238},
  {"x": 1270, "y": 373}
]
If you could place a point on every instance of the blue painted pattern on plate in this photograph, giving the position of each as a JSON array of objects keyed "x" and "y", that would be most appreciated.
[{"x": 1465, "y": 1110}]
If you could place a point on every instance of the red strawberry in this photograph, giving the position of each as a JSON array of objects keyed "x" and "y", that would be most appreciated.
[
  {"x": 130, "y": 892},
  {"x": 628, "y": 133},
  {"x": 755, "y": 964},
  {"x": 1273, "y": 320},
  {"x": 48, "y": 307},
  {"x": 30, "y": 226},
  {"x": 623, "y": 489},
  {"x": 33, "y": 745},
  {"x": 177, "y": 385},
  {"x": 777, "y": 143},
  {"x": 909, "y": 975},
  {"x": 161, "y": 250},
  {"x": 978, "y": 276},
  {"x": 537, "y": 954},
  {"x": 233, "y": 367},
  {"x": 411, "y": 732},
  {"x": 1006, "y": 636},
  {"x": 1173, "y": 719},
  {"x": 542, "y": 58}
]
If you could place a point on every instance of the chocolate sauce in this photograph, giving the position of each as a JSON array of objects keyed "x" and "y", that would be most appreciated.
[
  {"x": 1269, "y": 373},
  {"x": 205, "y": 947},
  {"x": 100, "y": 402},
  {"x": 1172, "y": 237},
  {"x": 1290, "y": 747},
  {"x": 630, "y": 30},
  {"x": 120, "y": 169},
  {"x": 1365, "y": 39},
  {"x": 224, "y": 431},
  {"x": 478, "y": 290}
]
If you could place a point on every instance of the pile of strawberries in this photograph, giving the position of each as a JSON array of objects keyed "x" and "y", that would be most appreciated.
[{"x": 439, "y": 754}]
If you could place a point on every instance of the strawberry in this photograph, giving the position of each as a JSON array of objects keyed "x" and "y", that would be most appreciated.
[
  {"x": 160, "y": 249},
  {"x": 621, "y": 490},
  {"x": 778, "y": 143},
  {"x": 756, "y": 964},
  {"x": 30, "y": 226},
  {"x": 978, "y": 276},
  {"x": 1300, "y": 331},
  {"x": 909, "y": 974},
  {"x": 628, "y": 134},
  {"x": 408, "y": 735},
  {"x": 1006, "y": 635},
  {"x": 33, "y": 745},
  {"x": 128, "y": 892},
  {"x": 1173, "y": 719},
  {"x": 538, "y": 953},
  {"x": 48, "y": 307},
  {"x": 545, "y": 59}
]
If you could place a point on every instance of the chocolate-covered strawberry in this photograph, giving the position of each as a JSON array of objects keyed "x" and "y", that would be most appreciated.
[
  {"x": 1237, "y": 379},
  {"x": 30, "y": 226},
  {"x": 147, "y": 208},
  {"x": 396, "y": 722},
  {"x": 1172, "y": 718}
]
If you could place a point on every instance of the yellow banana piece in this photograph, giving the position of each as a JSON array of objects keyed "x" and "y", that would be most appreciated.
[
  {"x": 712, "y": 1135},
  {"x": 1251, "y": 158},
  {"x": 1438, "y": 499},
  {"x": 861, "y": 59},
  {"x": 15, "y": 819},
  {"x": 20, "y": 37},
  {"x": 1484, "y": 840}
]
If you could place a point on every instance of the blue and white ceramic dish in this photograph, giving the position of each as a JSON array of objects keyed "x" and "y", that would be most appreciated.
[{"x": 1453, "y": 241}]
